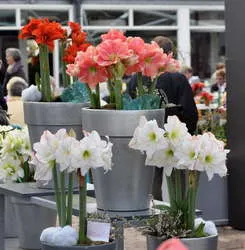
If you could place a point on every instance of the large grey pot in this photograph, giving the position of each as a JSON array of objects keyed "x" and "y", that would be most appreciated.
[
  {"x": 52, "y": 116},
  {"x": 31, "y": 220},
  {"x": 204, "y": 243},
  {"x": 128, "y": 186},
  {"x": 106, "y": 246}
]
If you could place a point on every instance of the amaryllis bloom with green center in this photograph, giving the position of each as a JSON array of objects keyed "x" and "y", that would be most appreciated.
[
  {"x": 148, "y": 137},
  {"x": 10, "y": 169}
]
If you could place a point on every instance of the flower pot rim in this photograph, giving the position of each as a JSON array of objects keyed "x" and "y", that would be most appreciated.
[
  {"x": 112, "y": 242},
  {"x": 56, "y": 103},
  {"x": 122, "y": 110},
  {"x": 187, "y": 239}
]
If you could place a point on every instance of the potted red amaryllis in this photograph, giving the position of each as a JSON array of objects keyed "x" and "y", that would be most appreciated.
[
  {"x": 47, "y": 112},
  {"x": 116, "y": 56}
]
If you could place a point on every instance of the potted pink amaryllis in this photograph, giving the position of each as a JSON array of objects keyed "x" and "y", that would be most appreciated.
[
  {"x": 182, "y": 157},
  {"x": 112, "y": 59},
  {"x": 58, "y": 154}
]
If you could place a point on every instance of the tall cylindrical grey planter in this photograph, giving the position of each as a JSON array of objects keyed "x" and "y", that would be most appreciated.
[
  {"x": 204, "y": 243},
  {"x": 10, "y": 218},
  {"x": 128, "y": 186},
  {"x": 52, "y": 116},
  {"x": 31, "y": 220}
]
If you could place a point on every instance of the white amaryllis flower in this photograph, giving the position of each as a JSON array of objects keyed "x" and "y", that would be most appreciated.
[
  {"x": 106, "y": 154},
  {"x": 43, "y": 170},
  {"x": 188, "y": 153},
  {"x": 148, "y": 137},
  {"x": 64, "y": 153},
  {"x": 89, "y": 153},
  {"x": 48, "y": 145},
  {"x": 10, "y": 169},
  {"x": 212, "y": 156},
  {"x": 163, "y": 158},
  {"x": 176, "y": 130}
]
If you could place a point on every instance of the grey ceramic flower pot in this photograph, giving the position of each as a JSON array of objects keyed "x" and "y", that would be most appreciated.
[
  {"x": 106, "y": 246},
  {"x": 204, "y": 243},
  {"x": 52, "y": 116},
  {"x": 127, "y": 187},
  {"x": 31, "y": 220}
]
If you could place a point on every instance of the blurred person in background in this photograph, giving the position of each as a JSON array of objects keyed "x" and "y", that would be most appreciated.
[
  {"x": 220, "y": 83},
  {"x": 15, "y": 86},
  {"x": 218, "y": 67}
]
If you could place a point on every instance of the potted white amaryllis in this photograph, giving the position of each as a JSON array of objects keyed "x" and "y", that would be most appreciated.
[
  {"x": 58, "y": 154},
  {"x": 182, "y": 157}
]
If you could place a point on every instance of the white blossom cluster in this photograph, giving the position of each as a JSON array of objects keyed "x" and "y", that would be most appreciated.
[
  {"x": 70, "y": 153},
  {"x": 173, "y": 147},
  {"x": 15, "y": 149}
]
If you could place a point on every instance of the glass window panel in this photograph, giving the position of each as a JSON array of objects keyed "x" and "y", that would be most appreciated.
[
  {"x": 105, "y": 17},
  {"x": 155, "y": 18},
  {"x": 7, "y": 18},
  {"x": 60, "y": 16},
  {"x": 207, "y": 49},
  {"x": 207, "y": 18}
]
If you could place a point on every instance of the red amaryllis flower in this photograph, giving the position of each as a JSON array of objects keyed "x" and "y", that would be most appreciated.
[
  {"x": 197, "y": 86},
  {"x": 113, "y": 35},
  {"x": 71, "y": 52},
  {"x": 75, "y": 27},
  {"x": 78, "y": 37},
  {"x": 206, "y": 97},
  {"x": 27, "y": 31},
  {"x": 47, "y": 32}
]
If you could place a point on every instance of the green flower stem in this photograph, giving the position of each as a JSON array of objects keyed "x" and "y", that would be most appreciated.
[
  {"x": 193, "y": 180},
  {"x": 57, "y": 191},
  {"x": 69, "y": 200},
  {"x": 118, "y": 94},
  {"x": 45, "y": 73},
  {"x": 111, "y": 91},
  {"x": 65, "y": 77},
  {"x": 178, "y": 186},
  {"x": 82, "y": 208},
  {"x": 97, "y": 96},
  {"x": 92, "y": 97},
  {"x": 153, "y": 86},
  {"x": 171, "y": 191},
  {"x": 140, "y": 87},
  {"x": 63, "y": 199},
  {"x": 26, "y": 169}
]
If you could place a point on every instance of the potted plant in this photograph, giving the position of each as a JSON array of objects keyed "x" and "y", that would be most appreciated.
[
  {"x": 15, "y": 153},
  {"x": 112, "y": 59},
  {"x": 182, "y": 157},
  {"x": 42, "y": 109},
  {"x": 55, "y": 155}
]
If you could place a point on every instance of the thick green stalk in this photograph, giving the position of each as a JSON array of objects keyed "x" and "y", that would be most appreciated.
[
  {"x": 171, "y": 191},
  {"x": 118, "y": 94},
  {"x": 82, "y": 208},
  {"x": 63, "y": 198},
  {"x": 45, "y": 74},
  {"x": 152, "y": 86},
  {"x": 69, "y": 200},
  {"x": 111, "y": 91},
  {"x": 97, "y": 96},
  {"x": 26, "y": 171},
  {"x": 57, "y": 191},
  {"x": 91, "y": 96},
  {"x": 65, "y": 77},
  {"x": 193, "y": 180},
  {"x": 178, "y": 186},
  {"x": 140, "y": 87}
]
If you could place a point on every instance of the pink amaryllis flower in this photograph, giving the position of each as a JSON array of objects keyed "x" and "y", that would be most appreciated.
[
  {"x": 136, "y": 45},
  {"x": 152, "y": 59},
  {"x": 89, "y": 71},
  {"x": 112, "y": 52},
  {"x": 172, "y": 244},
  {"x": 113, "y": 35}
]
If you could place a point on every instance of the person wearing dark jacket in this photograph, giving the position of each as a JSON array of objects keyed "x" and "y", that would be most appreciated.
[
  {"x": 15, "y": 68},
  {"x": 179, "y": 92}
]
